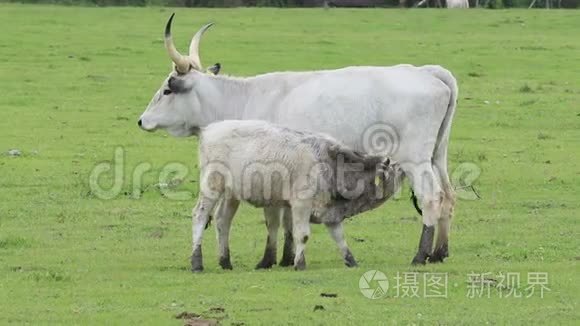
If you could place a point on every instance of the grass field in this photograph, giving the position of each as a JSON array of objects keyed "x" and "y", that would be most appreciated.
[{"x": 73, "y": 82}]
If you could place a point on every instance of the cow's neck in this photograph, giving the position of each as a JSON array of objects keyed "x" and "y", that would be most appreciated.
[
  {"x": 222, "y": 98},
  {"x": 235, "y": 98}
]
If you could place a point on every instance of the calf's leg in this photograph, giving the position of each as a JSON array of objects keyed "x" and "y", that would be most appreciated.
[
  {"x": 288, "y": 253},
  {"x": 272, "y": 216},
  {"x": 301, "y": 230},
  {"x": 337, "y": 233},
  {"x": 200, "y": 217},
  {"x": 224, "y": 216}
]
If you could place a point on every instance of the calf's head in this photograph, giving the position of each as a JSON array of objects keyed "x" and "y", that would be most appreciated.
[
  {"x": 358, "y": 174},
  {"x": 176, "y": 106}
]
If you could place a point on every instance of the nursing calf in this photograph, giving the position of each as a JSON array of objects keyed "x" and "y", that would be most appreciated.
[{"x": 316, "y": 177}]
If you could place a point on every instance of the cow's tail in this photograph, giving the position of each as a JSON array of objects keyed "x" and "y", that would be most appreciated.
[
  {"x": 440, "y": 151},
  {"x": 415, "y": 202}
]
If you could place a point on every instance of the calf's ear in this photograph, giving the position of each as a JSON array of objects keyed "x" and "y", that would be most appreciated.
[
  {"x": 385, "y": 164},
  {"x": 215, "y": 69},
  {"x": 333, "y": 151}
]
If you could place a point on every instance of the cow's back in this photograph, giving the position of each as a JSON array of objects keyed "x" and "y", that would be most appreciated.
[{"x": 352, "y": 104}]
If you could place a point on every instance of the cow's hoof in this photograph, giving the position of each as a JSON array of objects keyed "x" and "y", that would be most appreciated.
[
  {"x": 196, "y": 269},
  {"x": 225, "y": 263},
  {"x": 300, "y": 267},
  {"x": 269, "y": 258},
  {"x": 438, "y": 256},
  {"x": 349, "y": 260},
  {"x": 436, "y": 259},
  {"x": 419, "y": 260},
  {"x": 265, "y": 264},
  {"x": 300, "y": 264},
  {"x": 286, "y": 261},
  {"x": 197, "y": 260},
  {"x": 351, "y": 264}
]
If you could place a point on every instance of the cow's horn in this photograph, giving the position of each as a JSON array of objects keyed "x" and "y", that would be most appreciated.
[
  {"x": 182, "y": 63},
  {"x": 194, "y": 47}
]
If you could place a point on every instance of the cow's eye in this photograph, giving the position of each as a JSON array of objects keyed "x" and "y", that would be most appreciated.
[{"x": 167, "y": 91}]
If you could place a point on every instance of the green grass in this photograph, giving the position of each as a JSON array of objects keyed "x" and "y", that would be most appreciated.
[{"x": 73, "y": 82}]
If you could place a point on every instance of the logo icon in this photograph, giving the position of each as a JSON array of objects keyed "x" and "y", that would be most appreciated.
[
  {"x": 373, "y": 284},
  {"x": 381, "y": 139}
]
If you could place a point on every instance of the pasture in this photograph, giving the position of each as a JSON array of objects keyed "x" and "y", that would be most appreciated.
[{"x": 73, "y": 82}]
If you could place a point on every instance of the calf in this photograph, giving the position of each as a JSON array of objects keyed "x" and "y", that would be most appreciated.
[{"x": 270, "y": 166}]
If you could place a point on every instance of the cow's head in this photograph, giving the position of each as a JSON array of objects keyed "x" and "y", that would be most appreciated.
[{"x": 175, "y": 107}]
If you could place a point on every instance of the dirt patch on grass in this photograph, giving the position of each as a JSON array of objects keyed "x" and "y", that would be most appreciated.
[
  {"x": 193, "y": 319},
  {"x": 200, "y": 322},
  {"x": 187, "y": 315},
  {"x": 328, "y": 295}
]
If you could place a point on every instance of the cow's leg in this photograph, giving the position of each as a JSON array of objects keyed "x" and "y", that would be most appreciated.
[
  {"x": 426, "y": 186},
  {"x": 224, "y": 216},
  {"x": 441, "y": 250},
  {"x": 200, "y": 217},
  {"x": 337, "y": 234},
  {"x": 272, "y": 216},
  {"x": 288, "y": 252},
  {"x": 301, "y": 212}
]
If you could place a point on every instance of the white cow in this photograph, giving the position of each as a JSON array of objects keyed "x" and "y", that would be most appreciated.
[{"x": 404, "y": 112}]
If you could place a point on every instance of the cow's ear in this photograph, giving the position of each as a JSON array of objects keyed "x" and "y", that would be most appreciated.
[
  {"x": 333, "y": 151},
  {"x": 386, "y": 163},
  {"x": 215, "y": 69}
]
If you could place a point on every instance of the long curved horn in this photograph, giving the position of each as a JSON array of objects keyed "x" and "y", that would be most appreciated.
[
  {"x": 194, "y": 47},
  {"x": 181, "y": 62}
]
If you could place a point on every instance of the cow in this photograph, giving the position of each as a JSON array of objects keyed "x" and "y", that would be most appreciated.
[
  {"x": 462, "y": 4},
  {"x": 272, "y": 167},
  {"x": 403, "y": 112}
]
